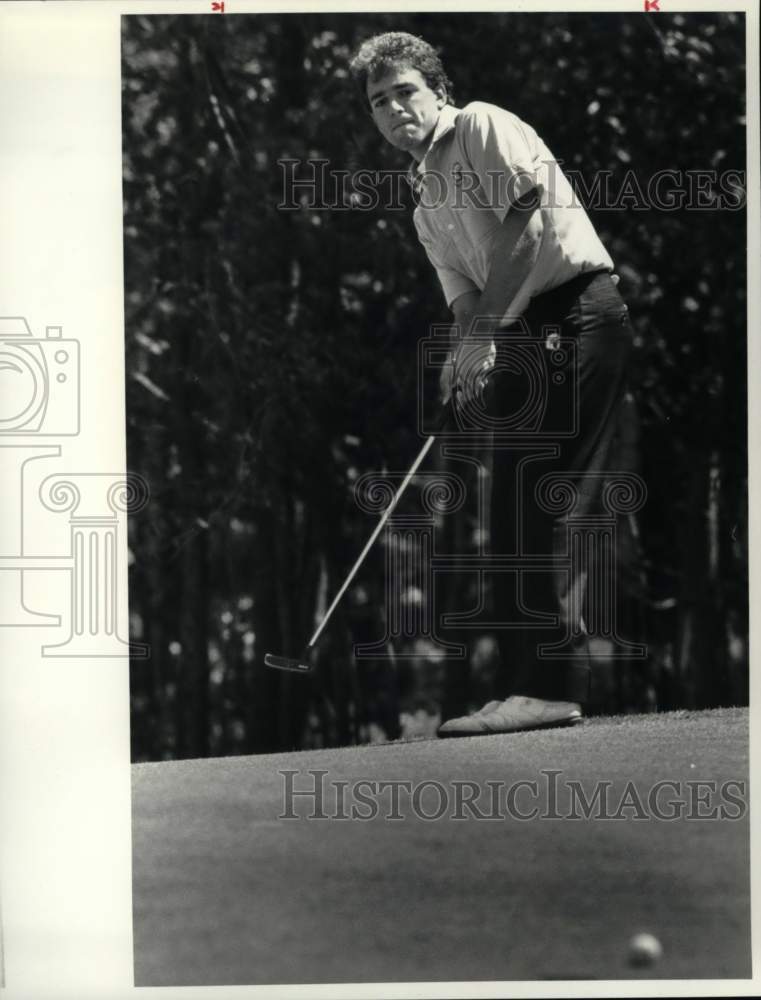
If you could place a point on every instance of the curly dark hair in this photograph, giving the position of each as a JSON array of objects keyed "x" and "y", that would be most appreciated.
[{"x": 378, "y": 54}]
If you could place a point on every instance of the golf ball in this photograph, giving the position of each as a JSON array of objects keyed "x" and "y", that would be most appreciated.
[{"x": 644, "y": 949}]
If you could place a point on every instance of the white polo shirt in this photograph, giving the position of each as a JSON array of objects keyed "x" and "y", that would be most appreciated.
[{"x": 481, "y": 159}]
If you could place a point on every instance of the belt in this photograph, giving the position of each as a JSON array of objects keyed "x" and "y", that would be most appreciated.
[{"x": 566, "y": 292}]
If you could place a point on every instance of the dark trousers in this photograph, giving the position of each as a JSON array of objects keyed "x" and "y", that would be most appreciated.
[{"x": 559, "y": 397}]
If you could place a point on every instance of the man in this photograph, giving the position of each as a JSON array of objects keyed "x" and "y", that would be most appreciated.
[{"x": 515, "y": 254}]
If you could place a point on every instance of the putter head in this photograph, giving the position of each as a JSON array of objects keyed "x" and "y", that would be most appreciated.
[{"x": 299, "y": 666}]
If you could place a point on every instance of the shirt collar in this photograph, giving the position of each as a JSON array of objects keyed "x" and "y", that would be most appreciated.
[{"x": 446, "y": 120}]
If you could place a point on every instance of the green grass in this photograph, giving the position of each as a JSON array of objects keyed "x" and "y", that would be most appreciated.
[{"x": 227, "y": 893}]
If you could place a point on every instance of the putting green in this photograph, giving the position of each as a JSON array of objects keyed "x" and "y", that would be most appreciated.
[{"x": 225, "y": 892}]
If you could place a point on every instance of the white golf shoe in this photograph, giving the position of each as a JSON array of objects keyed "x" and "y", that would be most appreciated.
[{"x": 516, "y": 714}]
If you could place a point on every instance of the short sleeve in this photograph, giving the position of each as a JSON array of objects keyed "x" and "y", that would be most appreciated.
[{"x": 498, "y": 147}]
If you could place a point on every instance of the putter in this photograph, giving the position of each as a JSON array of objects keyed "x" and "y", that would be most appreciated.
[{"x": 302, "y": 664}]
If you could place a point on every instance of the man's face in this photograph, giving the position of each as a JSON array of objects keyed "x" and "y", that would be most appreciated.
[{"x": 405, "y": 109}]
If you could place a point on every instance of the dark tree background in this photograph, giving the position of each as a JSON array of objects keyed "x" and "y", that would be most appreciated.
[{"x": 271, "y": 360}]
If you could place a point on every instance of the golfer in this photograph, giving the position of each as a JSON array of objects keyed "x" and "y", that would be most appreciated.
[{"x": 516, "y": 255}]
